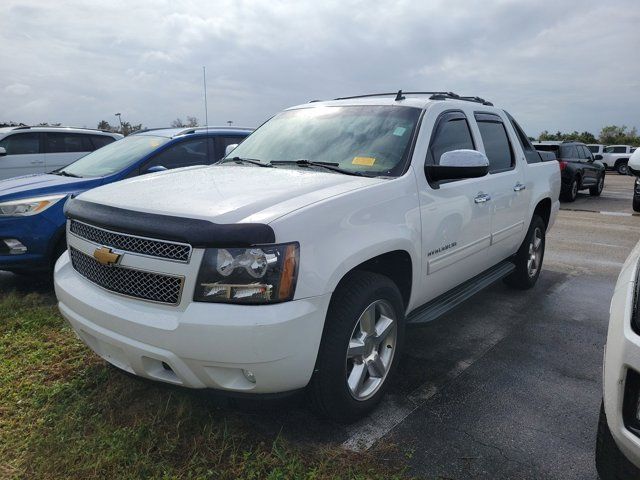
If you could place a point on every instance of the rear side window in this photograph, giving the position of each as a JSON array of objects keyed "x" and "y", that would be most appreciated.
[
  {"x": 68, "y": 142},
  {"x": 593, "y": 148},
  {"x": 452, "y": 133},
  {"x": 22, "y": 144},
  {"x": 530, "y": 153},
  {"x": 568, "y": 151},
  {"x": 101, "y": 140},
  {"x": 496, "y": 145}
]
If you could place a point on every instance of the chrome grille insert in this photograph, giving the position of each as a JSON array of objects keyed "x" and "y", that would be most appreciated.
[
  {"x": 154, "y": 287},
  {"x": 179, "y": 252}
]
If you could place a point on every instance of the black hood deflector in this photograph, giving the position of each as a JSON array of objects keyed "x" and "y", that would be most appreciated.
[{"x": 196, "y": 232}]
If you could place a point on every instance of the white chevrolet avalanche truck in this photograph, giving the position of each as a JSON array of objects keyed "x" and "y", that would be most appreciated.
[
  {"x": 618, "y": 443},
  {"x": 298, "y": 260}
]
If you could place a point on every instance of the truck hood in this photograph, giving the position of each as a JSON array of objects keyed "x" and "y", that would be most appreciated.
[
  {"x": 42, "y": 184},
  {"x": 226, "y": 193}
]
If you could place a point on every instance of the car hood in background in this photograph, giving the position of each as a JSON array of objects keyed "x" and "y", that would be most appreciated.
[
  {"x": 227, "y": 193},
  {"x": 43, "y": 184}
]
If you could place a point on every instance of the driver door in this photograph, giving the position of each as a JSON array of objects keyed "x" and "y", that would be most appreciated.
[{"x": 456, "y": 215}]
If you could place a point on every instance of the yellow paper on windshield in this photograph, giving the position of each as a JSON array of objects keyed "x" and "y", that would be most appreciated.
[{"x": 366, "y": 161}]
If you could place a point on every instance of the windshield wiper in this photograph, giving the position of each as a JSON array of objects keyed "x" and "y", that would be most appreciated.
[
  {"x": 66, "y": 174},
  {"x": 252, "y": 161},
  {"x": 333, "y": 166}
]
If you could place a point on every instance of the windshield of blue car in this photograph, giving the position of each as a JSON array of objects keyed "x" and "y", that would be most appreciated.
[
  {"x": 114, "y": 157},
  {"x": 368, "y": 139}
]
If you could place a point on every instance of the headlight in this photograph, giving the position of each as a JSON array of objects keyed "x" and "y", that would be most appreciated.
[
  {"x": 261, "y": 274},
  {"x": 28, "y": 206}
]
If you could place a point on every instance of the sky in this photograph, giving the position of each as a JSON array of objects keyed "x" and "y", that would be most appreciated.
[{"x": 553, "y": 64}]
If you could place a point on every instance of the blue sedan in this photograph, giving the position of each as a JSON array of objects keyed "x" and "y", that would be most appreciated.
[{"x": 32, "y": 223}]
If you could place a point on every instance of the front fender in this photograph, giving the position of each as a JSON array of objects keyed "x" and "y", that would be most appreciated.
[{"x": 340, "y": 233}]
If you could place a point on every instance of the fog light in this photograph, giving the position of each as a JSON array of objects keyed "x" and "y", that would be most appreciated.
[
  {"x": 15, "y": 246},
  {"x": 248, "y": 374}
]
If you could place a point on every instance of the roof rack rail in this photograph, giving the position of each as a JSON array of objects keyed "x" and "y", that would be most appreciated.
[
  {"x": 61, "y": 127},
  {"x": 400, "y": 95},
  {"x": 198, "y": 129}
]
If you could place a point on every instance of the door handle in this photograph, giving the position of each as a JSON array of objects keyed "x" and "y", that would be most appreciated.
[
  {"x": 519, "y": 187},
  {"x": 36, "y": 162},
  {"x": 482, "y": 198}
]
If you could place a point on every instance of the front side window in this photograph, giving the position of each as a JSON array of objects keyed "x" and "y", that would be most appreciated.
[
  {"x": 21, "y": 144},
  {"x": 372, "y": 140},
  {"x": 450, "y": 134},
  {"x": 115, "y": 156},
  {"x": 496, "y": 145},
  {"x": 68, "y": 142},
  {"x": 183, "y": 154},
  {"x": 619, "y": 149}
]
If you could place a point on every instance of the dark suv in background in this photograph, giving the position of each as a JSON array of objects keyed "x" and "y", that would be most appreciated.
[{"x": 579, "y": 171}]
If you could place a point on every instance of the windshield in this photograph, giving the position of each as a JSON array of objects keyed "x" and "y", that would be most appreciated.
[
  {"x": 114, "y": 157},
  {"x": 373, "y": 140}
]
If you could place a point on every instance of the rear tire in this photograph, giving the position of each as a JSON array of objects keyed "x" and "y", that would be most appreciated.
[
  {"x": 350, "y": 378},
  {"x": 610, "y": 461},
  {"x": 636, "y": 203},
  {"x": 570, "y": 193},
  {"x": 528, "y": 259},
  {"x": 596, "y": 190},
  {"x": 622, "y": 168}
]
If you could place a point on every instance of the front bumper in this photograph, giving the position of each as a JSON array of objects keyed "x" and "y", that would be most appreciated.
[
  {"x": 36, "y": 233},
  {"x": 197, "y": 345},
  {"x": 622, "y": 354}
]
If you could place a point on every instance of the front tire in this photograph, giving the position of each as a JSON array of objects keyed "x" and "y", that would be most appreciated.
[
  {"x": 528, "y": 259},
  {"x": 596, "y": 190},
  {"x": 360, "y": 348},
  {"x": 610, "y": 461},
  {"x": 636, "y": 203}
]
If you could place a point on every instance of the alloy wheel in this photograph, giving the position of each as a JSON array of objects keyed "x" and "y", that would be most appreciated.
[
  {"x": 535, "y": 253},
  {"x": 371, "y": 349}
]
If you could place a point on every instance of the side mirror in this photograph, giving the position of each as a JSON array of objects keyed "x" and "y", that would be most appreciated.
[
  {"x": 3, "y": 151},
  {"x": 230, "y": 148},
  {"x": 597, "y": 157},
  {"x": 458, "y": 164},
  {"x": 155, "y": 169}
]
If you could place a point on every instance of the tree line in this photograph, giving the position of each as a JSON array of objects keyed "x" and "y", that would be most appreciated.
[{"x": 609, "y": 135}]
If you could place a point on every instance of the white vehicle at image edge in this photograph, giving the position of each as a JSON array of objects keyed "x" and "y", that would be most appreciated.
[
  {"x": 298, "y": 260},
  {"x": 618, "y": 441},
  {"x": 32, "y": 150}
]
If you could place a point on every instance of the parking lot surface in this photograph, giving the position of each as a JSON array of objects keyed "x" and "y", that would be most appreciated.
[{"x": 508, "y": 385}]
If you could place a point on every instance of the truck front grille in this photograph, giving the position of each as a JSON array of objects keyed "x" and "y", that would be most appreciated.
[
  {"x": 154, "y": 287},
  {"x": 130, "y": 243}
]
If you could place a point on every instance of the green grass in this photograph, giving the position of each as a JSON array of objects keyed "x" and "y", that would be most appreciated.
[{"x": 65, "y": 414}]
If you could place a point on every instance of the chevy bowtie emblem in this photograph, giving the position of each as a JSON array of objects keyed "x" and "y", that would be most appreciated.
[{"x": 105, "y": 256}]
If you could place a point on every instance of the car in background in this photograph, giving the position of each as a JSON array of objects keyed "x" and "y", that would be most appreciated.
[
  {"x": 597, "y": 150},
  {"x": 32, "y": 222},
  {"x": 579, "y": 170},
  {"x": 617, "y": 157},
  {"x": 28, "y": 150},
  {"x": 634, "y": 169},
  {"x": 618, "y": 437}
]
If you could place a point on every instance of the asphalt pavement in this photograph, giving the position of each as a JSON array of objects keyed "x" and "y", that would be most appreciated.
[{"x": 507, "y": 385}]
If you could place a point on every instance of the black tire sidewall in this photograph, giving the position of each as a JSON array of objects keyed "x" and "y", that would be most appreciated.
[{"x": 328, "y": 386}]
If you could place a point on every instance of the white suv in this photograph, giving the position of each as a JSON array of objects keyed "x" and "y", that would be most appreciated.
[
  {"x": 299, "y": 259},
  {"x": 29, "y": 150}
]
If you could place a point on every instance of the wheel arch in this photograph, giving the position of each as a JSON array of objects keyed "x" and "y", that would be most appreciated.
[
  {"x": 395, "y": 265},
  {"x": 543, "y": 209}
]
